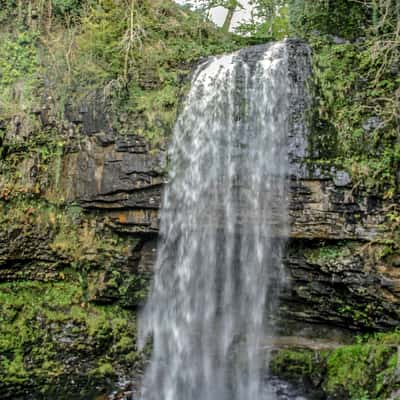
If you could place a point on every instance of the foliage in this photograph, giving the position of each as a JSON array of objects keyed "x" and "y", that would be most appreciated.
[
  {"x": 364, "y": 370},
  {"x": 118, "y": 47},
  {"x": 140, "y": 40},
  {"x": 269, "y": 19},
  {"x": 32, "y": 165},
  {"x": 345, "y": 18},
  {"x": 40, "y": 14},
  {"x": 39, "y": 320},
  {"x": 293, "y": 365},
  {"x": 231, "y": 5},
  {"x": 329, "y": 253},
  {"x": 357, "y": 84},
  {"x": 19, "y": 57},
  {"x": 65, "y": 7},
  {"x": 350, "y": 99},
  {"x": 19, "y": 69}
]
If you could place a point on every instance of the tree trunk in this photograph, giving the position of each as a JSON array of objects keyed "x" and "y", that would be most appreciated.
[{"x": 228, "y": 19}]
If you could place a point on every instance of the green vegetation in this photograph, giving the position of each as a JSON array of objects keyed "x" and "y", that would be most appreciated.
[
  {"x": 360, "y": 106},
  {"x": 360, "y": 314},
  {"x": 294, "y": 365},
  {"x": 58, "y": 263},
  {"x": 103, "y": 370},
  {"x": 42, "y": 325},
  {"x": 19, "y": 77},
  {"x": 357, "y": 83},
  {"x": 19, "y": 58},
  {"x": 71, "y": 234},
  {"x": 136, "y": 53},
  {"x": 365, "y": 370},
  {"x": 326, "y": 253},
  {"x": 344, "y": 18}
]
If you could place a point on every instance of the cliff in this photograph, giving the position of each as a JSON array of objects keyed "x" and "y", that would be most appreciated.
[{"x": 80, "y": 193}]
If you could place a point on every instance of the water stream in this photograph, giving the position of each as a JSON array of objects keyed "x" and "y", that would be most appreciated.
[{"x": 223, "y": 228}]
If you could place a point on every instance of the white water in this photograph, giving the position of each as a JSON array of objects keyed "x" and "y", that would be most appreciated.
[{"x": 223, "y": 227}]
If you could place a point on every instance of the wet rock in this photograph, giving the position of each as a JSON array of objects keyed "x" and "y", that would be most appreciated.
[
  {"x": 120, "y": 176},
  {"x": 91, "y": 114},
  {"x": 342, "y": 178},
  {"x": 340, "y": 285},
  {"x": 121, "y": 179},
  {"x": 336, "y": 280},
  {"x": 372, "y": 123}
]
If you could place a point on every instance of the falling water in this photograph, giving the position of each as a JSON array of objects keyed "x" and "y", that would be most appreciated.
[{"x": 223, "y": 226}]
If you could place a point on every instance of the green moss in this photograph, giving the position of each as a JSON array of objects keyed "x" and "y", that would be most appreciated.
[
  {"x": 293, "y": 365},
  {"x": 124, "y": 345},
  {"x": 361, "y": 314},
  {"x": 158, "y": 108},
  {"x": 41, "y": 154},
  {"x": 104, "y": 370},
  {"x": 327, "y": 253},
  {"x": 132, "y": 358},
  {"x": 361, "y": 370},
  {"x": 99, "y": 326},
  {"x": 350, "y": 95},
  {"x": 356, "y": 82},
  {"x": 365, "y": 370},
  {"x": 50, "y": 323},
  {"x": 14, "y": 369},
  {"x": 392, "y": 338},
  {"x": 71, "y": 234}
]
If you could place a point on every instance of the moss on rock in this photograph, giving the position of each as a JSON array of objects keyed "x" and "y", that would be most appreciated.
[
  {"x": 49, "y": 334},
  {"x": 365, "y": 370}
]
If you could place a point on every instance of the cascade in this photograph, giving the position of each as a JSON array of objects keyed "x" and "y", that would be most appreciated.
[{"x": 223, "y": 228}]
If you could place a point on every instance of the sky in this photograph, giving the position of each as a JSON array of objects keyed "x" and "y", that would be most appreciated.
[{"x": 218, "y": 14}]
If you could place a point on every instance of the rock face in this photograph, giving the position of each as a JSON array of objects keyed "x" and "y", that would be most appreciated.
[
  {"x": 333, "y": 226},
  {"x": 118, "y": 176},
  {"x": 339, "y": 284},
  {"x": 324, "y": 208},
  {"x": 90, "y": 255}
]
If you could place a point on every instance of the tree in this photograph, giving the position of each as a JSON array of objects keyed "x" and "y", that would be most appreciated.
[
  {"x": 230, "y": 5},
  {"x": 269, "y": 18}
]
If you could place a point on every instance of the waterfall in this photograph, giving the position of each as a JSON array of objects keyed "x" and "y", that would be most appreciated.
[{"x": 223, "y": 228}]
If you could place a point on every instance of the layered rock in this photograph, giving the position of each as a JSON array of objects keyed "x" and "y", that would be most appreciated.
[
  {"x": 339, "y": 269},
  {"x": 119, "y": 176},
  {"x": 121, "y": 179}
]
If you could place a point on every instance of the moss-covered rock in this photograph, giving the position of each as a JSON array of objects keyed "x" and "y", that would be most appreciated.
[
  {"x": 55, "y": 343},
  {"x": 89, "y": 94},
  {"x": 84, "y": 84},
  {"x": 365, "y": 370}
]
